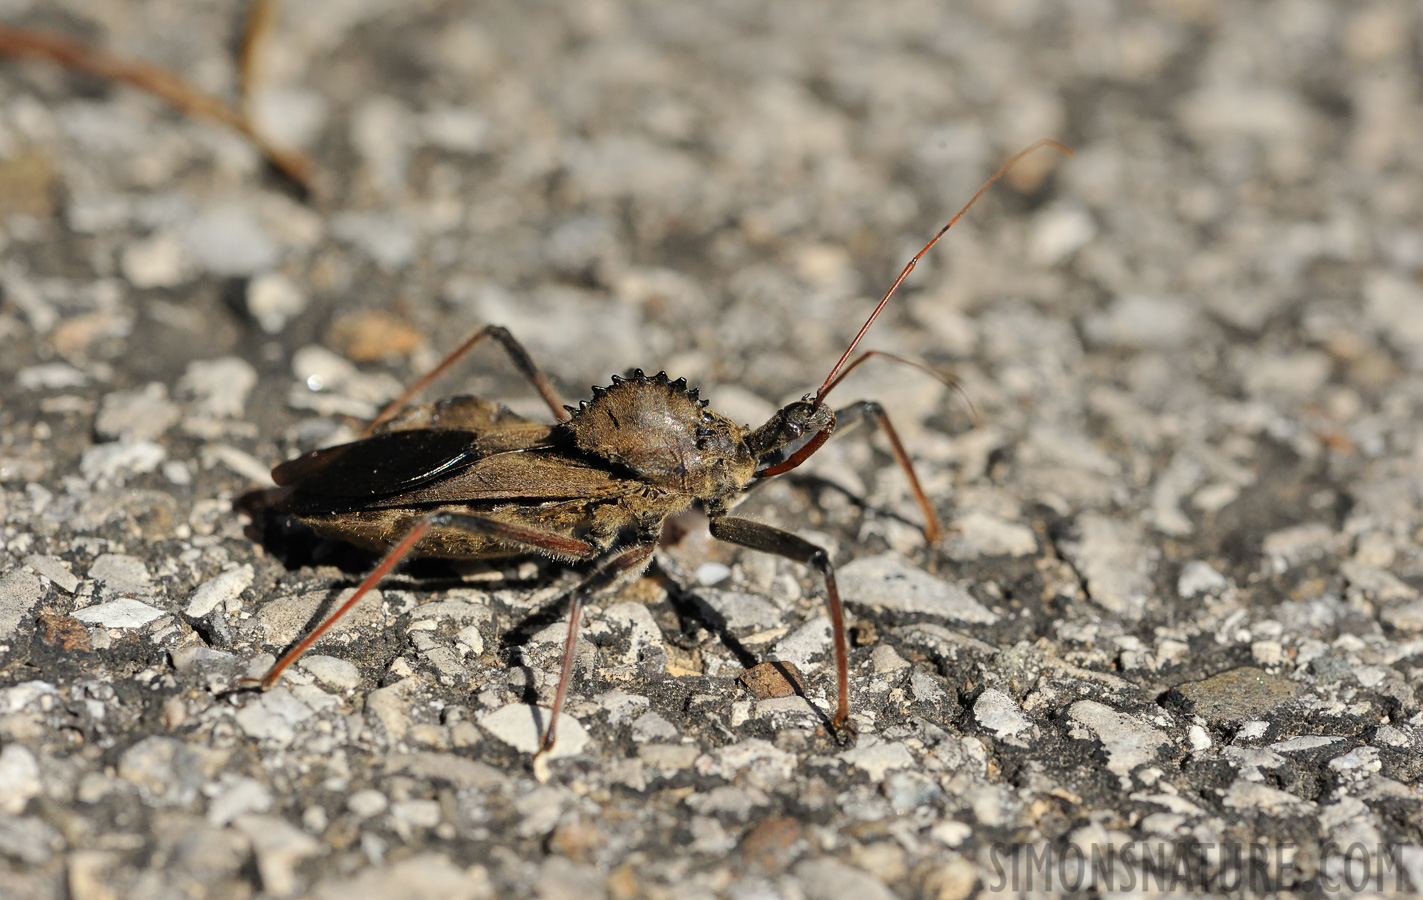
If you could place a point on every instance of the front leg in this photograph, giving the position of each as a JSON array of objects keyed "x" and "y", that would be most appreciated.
[
  {"x": 768, "y": 539},
  {"x": 872, "y": 411}
]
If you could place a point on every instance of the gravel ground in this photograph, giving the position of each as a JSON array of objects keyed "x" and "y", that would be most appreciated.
[{"x": 1178, "y": 606}]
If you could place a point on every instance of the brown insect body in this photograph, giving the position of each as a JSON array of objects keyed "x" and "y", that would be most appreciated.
[
  {"x": 467, "y": 478},
  {"x": 642, "y": 449}
]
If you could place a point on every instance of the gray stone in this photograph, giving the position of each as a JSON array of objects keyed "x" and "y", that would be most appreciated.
[{"x": 1236, "y": 696}]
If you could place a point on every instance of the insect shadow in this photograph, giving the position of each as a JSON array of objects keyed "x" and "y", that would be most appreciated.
[{"x": 467, "y": 478}]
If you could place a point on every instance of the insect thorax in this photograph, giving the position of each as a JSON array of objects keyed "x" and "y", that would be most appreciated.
[{"x": 665, "y": 435}]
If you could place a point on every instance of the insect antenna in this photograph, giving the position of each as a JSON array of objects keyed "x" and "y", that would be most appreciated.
[
  {"x": 944, "y": 378},
  {"x": 835, "y": 373}
]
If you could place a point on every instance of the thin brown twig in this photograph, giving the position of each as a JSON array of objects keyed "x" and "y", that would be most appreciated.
[
  {"x": 260, "y": 18},
  {"x": 161, "y": 83}
]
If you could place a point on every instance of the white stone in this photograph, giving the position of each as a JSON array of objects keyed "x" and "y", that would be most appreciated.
[
  {"x": 1142, "y": 323},
  {"x": 114, "y": 462},
  {"x": 242, "y": 795},
  {"x": 1058, "y": 232},
  {"x": 739, "y": 610},
  {"x": 223, "y": 588},
  {"x": 49, "y": 377},
  {"x": 1199, "y": 577},
  {"x": 754, "y": 755},
  {"x": 886, "y": 659},
  {"x": 273, "y": 299},
  {"x": 367, "y": 802},
  {"x": 458, "y": 129},
  {"x": 155, "y": 262},
  {"x": 1255, "y": 795},
  {"x": 471, "y": 639},
  {"x": 55, "y": 569},
  {"x": 279, "y": 847},
  {"x": 1200, "y": 739},
  {"x": 388, "y": 238},
  {"x": 19, "y": 778},
  {"x": 651, "y": 726},
  {"x": 878, "y": 758},
  {"x": 710, "y": 573},
  {"x": 1129, "y": 742},
  {"x": 1115, "y": 561},
  {"x": 141, "y": 415},
  {"x": 125, "y": 612},
  {"x": 980, "y": 533},
  {"x": 522, "y": 727},
  {"x": 220, "y": 385},
  {"x": 121, "y": 573},
  {"x": 997, "y": 712},
  {"x": 891, "y": 581},
  {"x": 229, "y": 242},
  {"x": 806, "y": 644},
  {"x": 339, "y": 674},
  {"x": 1304, "y": 742}
]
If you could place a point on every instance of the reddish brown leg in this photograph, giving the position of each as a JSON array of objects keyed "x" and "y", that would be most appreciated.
[
  {"x": 870, "y": 410},
  {"x": 767, "y": 539},
  {"x": 522, "y": 361},
  {"x": 535, "y": 539},
  {"x": 609, "y": 576}
]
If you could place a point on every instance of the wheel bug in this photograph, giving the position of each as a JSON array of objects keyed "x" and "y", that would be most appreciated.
[{"x": 466, "y": 478}]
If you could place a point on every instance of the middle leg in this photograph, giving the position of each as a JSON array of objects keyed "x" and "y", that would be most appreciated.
[
  {"x": 871, "y": 411},
  {"x": 768, "y": 539}
]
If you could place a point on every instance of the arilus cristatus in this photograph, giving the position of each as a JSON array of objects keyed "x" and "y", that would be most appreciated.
[{"x": 465, "y": 478}]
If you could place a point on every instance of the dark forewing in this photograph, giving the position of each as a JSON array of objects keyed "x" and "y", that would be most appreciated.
[{"x": 385, "y": 463}]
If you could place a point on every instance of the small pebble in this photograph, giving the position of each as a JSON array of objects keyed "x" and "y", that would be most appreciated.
[{"x": 773, "y": 679}]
